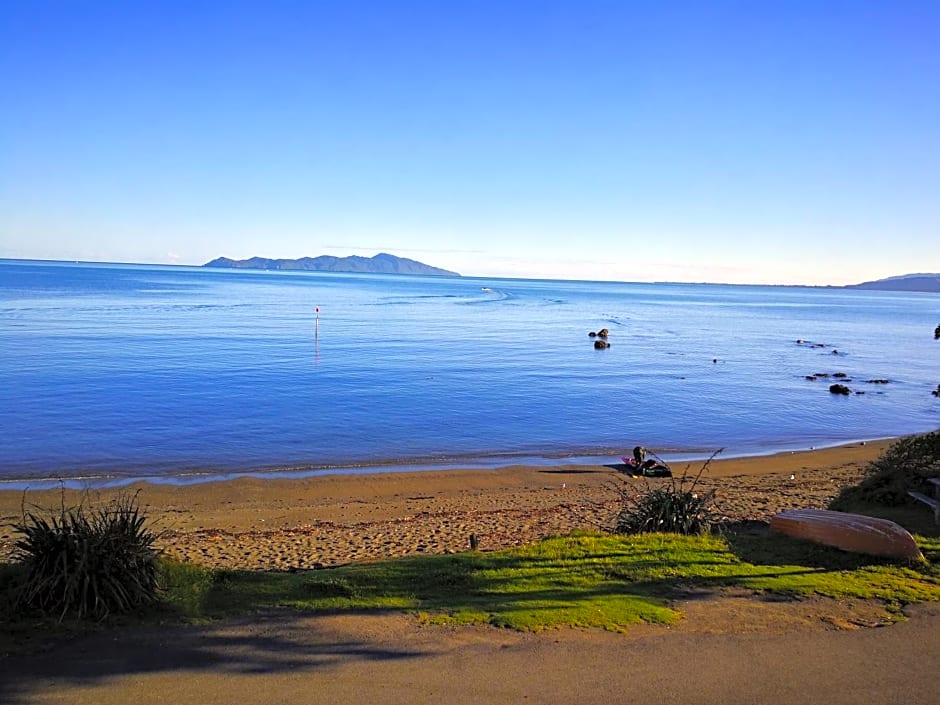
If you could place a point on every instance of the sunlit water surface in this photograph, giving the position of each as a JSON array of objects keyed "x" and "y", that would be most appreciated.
[{"x": 128, "y": 371}]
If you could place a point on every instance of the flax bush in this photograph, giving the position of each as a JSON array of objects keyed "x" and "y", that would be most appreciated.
[
  {"x": 677, "y": 507},
  {"x": 87, "y": 564}
]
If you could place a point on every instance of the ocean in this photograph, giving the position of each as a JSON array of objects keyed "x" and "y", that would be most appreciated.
[{"x": 113, "y": 372}]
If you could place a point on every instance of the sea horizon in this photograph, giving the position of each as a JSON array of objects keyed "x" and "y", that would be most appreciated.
[{"x": 168, "y": 265}]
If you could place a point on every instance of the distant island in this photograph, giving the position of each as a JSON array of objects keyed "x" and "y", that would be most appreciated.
[
  {"x": 382, "y": 263},
  {"x": 905, "y": 282}
]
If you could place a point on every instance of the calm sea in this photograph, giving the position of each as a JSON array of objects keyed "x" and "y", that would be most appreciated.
[{"x": 128, "y": 371}]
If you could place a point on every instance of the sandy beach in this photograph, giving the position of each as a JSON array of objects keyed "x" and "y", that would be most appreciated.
[
  {"x": 730, "y": 648},
  {"x": 275, "y": 524}
]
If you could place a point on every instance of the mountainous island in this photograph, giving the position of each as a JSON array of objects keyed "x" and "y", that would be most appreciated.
[
  {"x": 904, "y": 282},
  {"x": 382, "y": 263}
]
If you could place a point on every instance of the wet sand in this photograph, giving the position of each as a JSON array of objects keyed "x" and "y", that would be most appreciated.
[{"x": 276, "y": 524}]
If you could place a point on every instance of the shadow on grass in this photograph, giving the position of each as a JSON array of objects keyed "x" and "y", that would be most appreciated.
[
  {"x": 756, "y": 544},
  {"x": 607, "y": 582}
]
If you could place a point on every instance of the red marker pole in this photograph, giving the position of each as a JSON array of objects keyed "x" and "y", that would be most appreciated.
[{"x": 317, "y": 324}]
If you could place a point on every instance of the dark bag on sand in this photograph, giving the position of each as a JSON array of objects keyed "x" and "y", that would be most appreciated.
[
  {"x": 656, "y": 471},
  {"x": 646, "y": 469}
]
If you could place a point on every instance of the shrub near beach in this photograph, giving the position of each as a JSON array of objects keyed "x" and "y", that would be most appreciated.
[
  {"x": 906, "y": 465},
  {"x": 87, "y": 563},
  {"x": 676, "y": 507}
]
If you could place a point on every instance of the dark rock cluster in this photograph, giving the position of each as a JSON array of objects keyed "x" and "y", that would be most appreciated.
[
  {"x": 843, "y": 377},
  {"x": 841, "y": 388},
  {"x": 600, "y": 342},
  {"x": 811, "y": 344},
  {"x": 826, "y": 375}
]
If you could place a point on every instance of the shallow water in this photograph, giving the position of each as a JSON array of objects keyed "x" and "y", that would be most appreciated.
[{"x": 135, "y": 371}]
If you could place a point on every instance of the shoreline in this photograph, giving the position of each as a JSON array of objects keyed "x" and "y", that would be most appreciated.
[
  {"x": 185, "y": 477},
  {"x": 330, "y": 520}
]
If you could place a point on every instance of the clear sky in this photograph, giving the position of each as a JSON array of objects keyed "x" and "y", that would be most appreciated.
[{"x": 752, "y": 142}]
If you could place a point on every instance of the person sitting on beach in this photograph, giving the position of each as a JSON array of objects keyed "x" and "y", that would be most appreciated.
[{"x": 639, "y": 459}]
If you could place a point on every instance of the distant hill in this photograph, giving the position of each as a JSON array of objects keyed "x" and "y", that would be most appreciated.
[
  {"x": 380, "y": 264},
  {"x": 905, "y": 282}
]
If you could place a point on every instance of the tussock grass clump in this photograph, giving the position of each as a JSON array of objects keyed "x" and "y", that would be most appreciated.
[
  {"x": 904, "y": 466},
  {"x": 87, "y": 563},
  {"x": 676, "y": 508}
]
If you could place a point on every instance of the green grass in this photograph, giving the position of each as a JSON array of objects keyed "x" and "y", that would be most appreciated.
[{"x": 585, "y": 580}]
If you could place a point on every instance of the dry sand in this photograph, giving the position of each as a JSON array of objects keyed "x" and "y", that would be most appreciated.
[{"x": 273, "y": 524}]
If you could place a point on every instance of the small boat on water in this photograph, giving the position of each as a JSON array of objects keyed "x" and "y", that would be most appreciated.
[{"x": 850, "y": 532}]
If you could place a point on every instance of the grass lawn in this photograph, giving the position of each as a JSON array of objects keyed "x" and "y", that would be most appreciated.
[{"x": 586, "y": 580}]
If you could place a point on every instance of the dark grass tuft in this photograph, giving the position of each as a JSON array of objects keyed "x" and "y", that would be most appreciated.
[
  {"x": 676, "y": 507},
  {"x": 87, "y": 564}
]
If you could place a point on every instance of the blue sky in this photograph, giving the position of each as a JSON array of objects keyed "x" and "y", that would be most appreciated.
[{"x": 751, "y": 142}]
